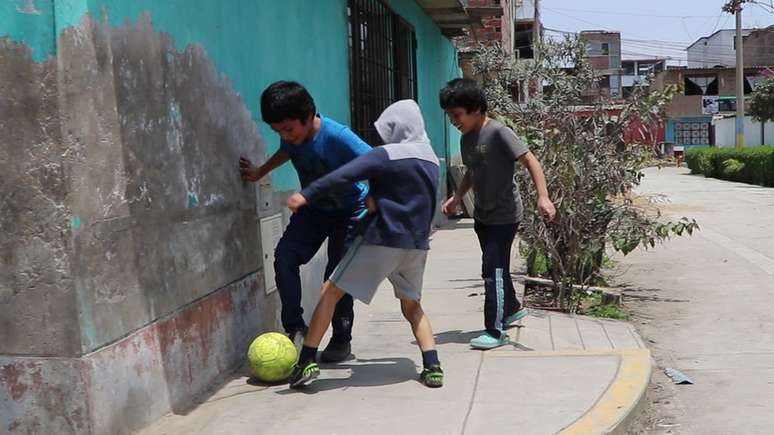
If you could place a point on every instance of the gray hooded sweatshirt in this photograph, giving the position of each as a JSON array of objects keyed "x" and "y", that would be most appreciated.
[{"x": 403, "y": 179}]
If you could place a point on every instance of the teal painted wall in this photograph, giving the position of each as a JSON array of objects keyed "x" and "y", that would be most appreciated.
[
  {"x": 255, "y": 43},
  {"x": 29, "y": 22},
  {"x": 436, "y": 64}
]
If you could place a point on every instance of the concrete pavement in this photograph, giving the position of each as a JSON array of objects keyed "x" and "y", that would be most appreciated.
[
  {"x": 561, "y": 373},
  {"x": 704, "y": 303}
]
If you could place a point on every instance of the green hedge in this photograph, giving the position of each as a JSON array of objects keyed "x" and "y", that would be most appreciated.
[{"x": 754, "y": 165}]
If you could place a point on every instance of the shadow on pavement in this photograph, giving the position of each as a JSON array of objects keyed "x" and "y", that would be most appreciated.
[{"x": 365, "y": 373}]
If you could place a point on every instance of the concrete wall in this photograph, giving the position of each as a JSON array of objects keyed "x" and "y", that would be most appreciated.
[
  {"x": 725, "y": 132},
  {"x": 131, "y": 275}
]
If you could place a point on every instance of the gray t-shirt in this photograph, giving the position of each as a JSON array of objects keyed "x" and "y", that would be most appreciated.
[{"x": 490, "y": 156}]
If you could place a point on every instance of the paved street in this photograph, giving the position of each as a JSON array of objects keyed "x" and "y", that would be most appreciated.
[{"x": 704, "y": 306}]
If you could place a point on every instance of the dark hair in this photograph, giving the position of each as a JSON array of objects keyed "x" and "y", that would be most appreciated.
[
  {"x": 463, "y": 93},
  {"x": 283, "y": 101}
]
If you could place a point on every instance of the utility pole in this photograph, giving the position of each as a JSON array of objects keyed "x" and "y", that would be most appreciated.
[
  {"x": 735, "y": 7},
  {"x": 537, "y": 44},
  {"x": 537, "y": 38},
  {"x": 739, "y": 78}
]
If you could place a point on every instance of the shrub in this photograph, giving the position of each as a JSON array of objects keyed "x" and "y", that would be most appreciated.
[{"x": 747, "y": 165}]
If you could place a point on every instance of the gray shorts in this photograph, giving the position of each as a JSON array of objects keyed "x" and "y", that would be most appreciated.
[{"x": 365, "y": 266}]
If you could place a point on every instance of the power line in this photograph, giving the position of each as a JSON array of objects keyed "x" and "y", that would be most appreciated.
[
  {"x": 707, "y": 56},
  {"x": 635, "y": 14},
  {"x": 720, "y": 15}
]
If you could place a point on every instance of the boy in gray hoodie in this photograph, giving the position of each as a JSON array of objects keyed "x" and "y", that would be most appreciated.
[{"x": 393, "y": 240}]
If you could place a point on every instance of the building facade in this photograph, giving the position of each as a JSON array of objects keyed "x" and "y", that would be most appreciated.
[
  {"x": 603, "y": 50},
  {"x": 718, "y": 50},
  {"x": 707, "y": 94},
  {"x": 636, "y": 73}
]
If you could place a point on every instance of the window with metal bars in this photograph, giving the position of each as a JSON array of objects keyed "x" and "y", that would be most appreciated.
[{"x": 382, "y": 59}]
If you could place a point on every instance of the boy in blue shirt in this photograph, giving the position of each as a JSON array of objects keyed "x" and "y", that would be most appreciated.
[
  {"x": 316, "y": 145},
  {"x": 394, "y": 239}
]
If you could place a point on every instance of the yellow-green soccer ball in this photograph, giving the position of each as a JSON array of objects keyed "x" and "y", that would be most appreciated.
[{"x": 271, "y": 356}]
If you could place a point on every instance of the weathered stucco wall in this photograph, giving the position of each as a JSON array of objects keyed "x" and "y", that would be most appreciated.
[
  {"x": 38, "y": 314},
  {"x": 164, "y": 218}
]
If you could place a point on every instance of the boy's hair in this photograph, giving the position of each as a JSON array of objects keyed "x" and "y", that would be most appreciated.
[
  {"x": 283, "y": 101},
  {"x": 463, "y": 93}
]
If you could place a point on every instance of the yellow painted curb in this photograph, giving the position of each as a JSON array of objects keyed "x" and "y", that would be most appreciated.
[{"x": 622, "y": 399}]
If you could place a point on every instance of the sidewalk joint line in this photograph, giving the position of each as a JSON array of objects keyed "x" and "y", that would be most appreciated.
[
  {"x": 577, "y": 328},
  {"x": 551, "y": 333},
  {"x": 473, "y": 394},
  {"x": 612, "y": 345}
]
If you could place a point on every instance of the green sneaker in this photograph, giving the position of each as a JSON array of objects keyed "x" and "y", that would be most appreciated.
[
  {"x": 301, "y": 375},
  {"x": 432, "y": 376},
  {"x": 486, "y": 341},
  {"x": 515, "y": 317}
]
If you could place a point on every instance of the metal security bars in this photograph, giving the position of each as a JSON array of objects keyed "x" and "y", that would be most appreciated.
[{"x": 382, "y": 58}]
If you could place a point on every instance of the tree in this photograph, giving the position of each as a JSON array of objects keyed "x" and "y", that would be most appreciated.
[
  {"x": 590, "y": 169},
  {"x": 762, "y": 105}
]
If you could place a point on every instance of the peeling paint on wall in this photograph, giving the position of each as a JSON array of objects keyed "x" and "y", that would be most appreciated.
[{"x": 27, "y": 7}]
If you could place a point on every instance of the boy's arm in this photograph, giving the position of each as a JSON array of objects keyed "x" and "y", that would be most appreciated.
[
  {"x": 255, "y": 173},
  {"x": 518, "y": 150},
  {"x": 545, "y": 206},
  {"x": 362, "y": 168},
  {"x": 450, "y": 206}
]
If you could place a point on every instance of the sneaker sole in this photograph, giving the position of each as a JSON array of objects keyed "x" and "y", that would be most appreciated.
[
  {"x": 305, "y": 379},
  {"x": 480, "y": 347},
  {"x": 431, "y": 384}
]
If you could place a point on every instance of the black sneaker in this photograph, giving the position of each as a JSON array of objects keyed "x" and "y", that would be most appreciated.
[
  {"x": 297, "y": 337},
  {"x": 303, "y": 374},
  {"x": 432, "y": 376},
  {"x": 336, "y": 352}
]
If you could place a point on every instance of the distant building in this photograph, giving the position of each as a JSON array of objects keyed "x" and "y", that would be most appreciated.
[
  {"x": 759, "y": 47},
  {"x": 718, "y": 50},
  {"x": 635, "y": 72},
  {"x": 510, "y": 23},
  {"x": 604, "y": 55},
  {"x": 523, "y": 28},
  {"x": 707, "y": 93}
]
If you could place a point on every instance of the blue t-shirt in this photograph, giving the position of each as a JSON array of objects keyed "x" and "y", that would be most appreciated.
[{"x": 332, "y": 147}]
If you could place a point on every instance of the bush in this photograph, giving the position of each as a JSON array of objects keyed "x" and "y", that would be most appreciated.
[
  {"x": 747, "y": 165},
  {"x": 590, "y": 163}
]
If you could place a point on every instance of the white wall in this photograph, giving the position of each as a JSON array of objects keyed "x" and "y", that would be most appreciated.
[
  {"x": 725, "y": 132},
  {"x": 525, "y": 9},
  {"x": 719, "y": 50}
]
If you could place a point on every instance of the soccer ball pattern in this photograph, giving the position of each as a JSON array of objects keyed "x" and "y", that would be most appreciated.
[{"x": 271, "y": 357}]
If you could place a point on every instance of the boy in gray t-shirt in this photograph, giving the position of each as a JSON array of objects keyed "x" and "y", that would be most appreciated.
[{"x": 489, "y": 151}]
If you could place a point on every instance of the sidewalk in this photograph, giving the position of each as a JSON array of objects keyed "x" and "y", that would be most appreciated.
[{"x": 562, "y": 373}]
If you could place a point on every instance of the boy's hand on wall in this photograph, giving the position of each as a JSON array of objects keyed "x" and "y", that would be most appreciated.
[
  {"x": 546, "y": 208},
  {"x": 247, "y": 170},
  {"x": 296, "y": 201}
]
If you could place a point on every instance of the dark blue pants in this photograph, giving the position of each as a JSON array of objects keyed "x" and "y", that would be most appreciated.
[
  {"x": 499, "y": 294},
  {"x": 303, "y": 237}
]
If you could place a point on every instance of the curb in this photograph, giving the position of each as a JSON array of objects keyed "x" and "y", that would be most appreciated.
[{"x": 623, "y": 399}]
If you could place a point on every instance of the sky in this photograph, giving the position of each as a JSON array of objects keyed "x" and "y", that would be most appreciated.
[{"x": 661, "y": 28}]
